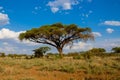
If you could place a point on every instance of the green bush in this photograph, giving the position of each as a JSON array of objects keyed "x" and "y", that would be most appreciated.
[{"x": 2, "y": 55}]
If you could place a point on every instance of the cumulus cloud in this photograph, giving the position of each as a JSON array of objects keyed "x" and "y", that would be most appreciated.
[
  {"x": 4, "y": 19},
  {"x": 11, "y": 44},
  {"x": 80, "y": 46},
  {"x": 57, "y": 5},
  {"x": 8, "y": 34},
  {"x": 12, "y": 35},
  {"x": 109, "y": 30},
  {"x": 112, "y": 23},
  {"x": 97, "y": 34},
  {"x": 111, "y": 42}
]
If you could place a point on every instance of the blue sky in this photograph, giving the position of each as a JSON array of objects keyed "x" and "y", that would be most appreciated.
[{"x": 16, "y": 16}]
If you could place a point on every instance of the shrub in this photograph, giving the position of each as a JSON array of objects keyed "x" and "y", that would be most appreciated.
[
  {"x": 40, "y": 52},
  {"x": 2, "y": 54}
]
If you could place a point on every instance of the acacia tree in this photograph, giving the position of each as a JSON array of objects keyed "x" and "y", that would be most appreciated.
[
  {"x": 39, "y": 52},
  {"x": 57, "y": 35},
  {"x": 97, "y": 50},
  {"x": 116, "y": 49}
]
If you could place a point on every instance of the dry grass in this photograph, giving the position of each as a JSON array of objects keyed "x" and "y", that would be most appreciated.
[{"x": 96, "y": 68}]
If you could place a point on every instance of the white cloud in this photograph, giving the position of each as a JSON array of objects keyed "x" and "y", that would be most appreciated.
[
  {"x": 66, "y": 6},
  {"x": 54, "y": 10},
  {"x": 8, "y": 34},
  {"x": 112, "y": 23},
  {"x": 108, "y": 44},
  {"x": 57, "y": 5},
  {"x": 97, "y": 34},
  {"x": 4, "y": 19},
  {"x": 12, "y": 35},
  {"x": 80, "y": 46},
  {"x": 11, "y": 44},
  {"x": 109, "y": 30}
]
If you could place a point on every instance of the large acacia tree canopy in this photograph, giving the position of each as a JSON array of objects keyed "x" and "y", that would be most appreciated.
[{"x": 57, "y": 35}]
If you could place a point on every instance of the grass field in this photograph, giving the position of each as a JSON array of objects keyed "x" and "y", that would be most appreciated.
[{"x": 96, "y": 68}]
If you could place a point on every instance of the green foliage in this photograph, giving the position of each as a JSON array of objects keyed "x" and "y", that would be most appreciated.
[
  {"x": 40, "y": 51},
  {"x": 57, "y": 35},
  {"x": 97, "y": 50},
  {"x": 10, "y": 55},
  {"x": 116, "y": 49},
  {"x": 96, "y": 66},
  {"x": 2, "y": 55}
]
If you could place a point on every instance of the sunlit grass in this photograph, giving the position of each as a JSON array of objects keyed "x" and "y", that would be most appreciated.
[{"x": 93, "y": 66}]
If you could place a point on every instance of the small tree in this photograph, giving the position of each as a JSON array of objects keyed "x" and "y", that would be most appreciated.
[
  {"x": 10, "y": 55},
  {"x": 2, "y": 54},
  {"x": 97, "y": 50},
  {"x": 57, "y": 35},
  {"x": 116, "y": 49},
  {"x": 40, "y": 52}
]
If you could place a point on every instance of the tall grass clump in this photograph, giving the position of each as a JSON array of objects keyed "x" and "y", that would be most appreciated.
[{"x": 2, "y": 69}]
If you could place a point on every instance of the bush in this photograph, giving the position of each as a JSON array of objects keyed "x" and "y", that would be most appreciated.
[
  {"x": 40, "y": 52},
  {"x": 2, "y": 54}
]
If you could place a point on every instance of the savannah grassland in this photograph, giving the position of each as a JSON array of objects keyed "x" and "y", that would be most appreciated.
[{"x": 67, "y": 68}]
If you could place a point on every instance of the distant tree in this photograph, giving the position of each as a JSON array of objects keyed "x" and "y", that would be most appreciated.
[
  {"x": 116, "y": 49},
  {"x": 57, "y": 35},
  {"x": 97, "y": 50},
  {"x": 41, "y": 51},
  {"x": 10, "y": 55},
  {"x": 13, "y": 55},
  {"x": 2, "y": 54}
]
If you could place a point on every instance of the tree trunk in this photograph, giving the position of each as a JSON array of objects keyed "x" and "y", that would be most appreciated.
[{"x": 60, "y": 50}]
